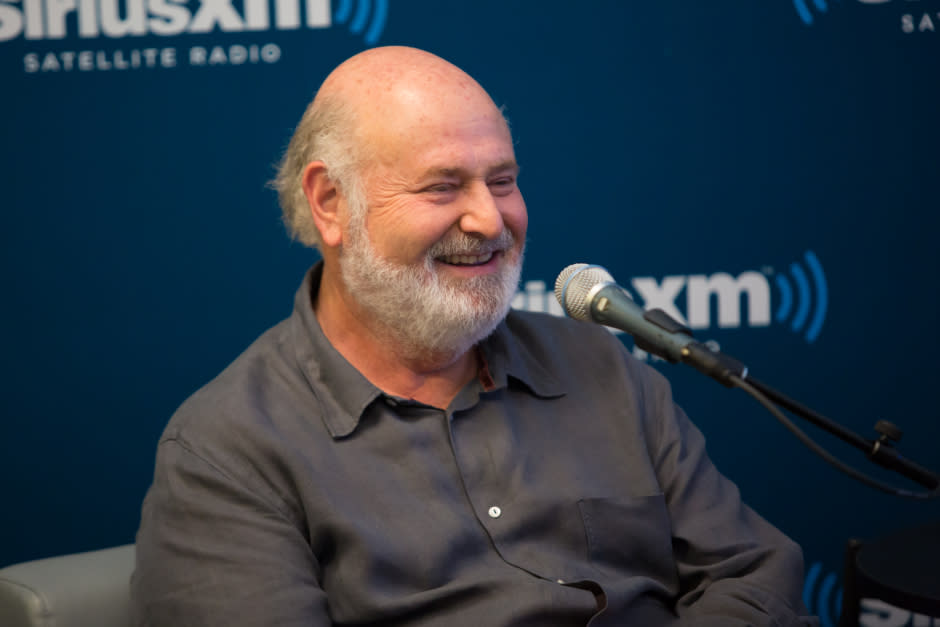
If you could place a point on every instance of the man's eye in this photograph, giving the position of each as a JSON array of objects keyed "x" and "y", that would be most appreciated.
[
  {"x": 503, "y": 185},
  {"x": 440, "y": 187}
]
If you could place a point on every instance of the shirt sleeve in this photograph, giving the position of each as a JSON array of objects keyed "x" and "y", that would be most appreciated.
[
  {"x": 213, "y": 551},
  {"x": 735, "y": 568}
]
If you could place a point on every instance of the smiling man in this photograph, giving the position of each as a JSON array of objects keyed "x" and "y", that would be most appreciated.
[
  {"x": 422, "y": 239},
  {"x": 404, "y": 450}
]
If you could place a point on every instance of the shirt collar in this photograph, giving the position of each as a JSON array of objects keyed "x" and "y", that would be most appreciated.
[
  {"x": 344, "y": 393},
  {"x": 506, "y": 353}
]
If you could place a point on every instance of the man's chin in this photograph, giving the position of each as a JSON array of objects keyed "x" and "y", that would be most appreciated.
[{"x": 429, "y": 308}]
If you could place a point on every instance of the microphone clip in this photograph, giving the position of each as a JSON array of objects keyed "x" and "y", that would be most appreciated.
[
  {"x": 715, "y": 364},
  {"x": 666, "y": 322}
]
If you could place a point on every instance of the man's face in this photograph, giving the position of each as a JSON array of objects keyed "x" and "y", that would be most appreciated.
[{"x": 437, "y": 254}]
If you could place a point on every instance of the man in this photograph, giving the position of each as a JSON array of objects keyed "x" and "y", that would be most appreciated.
[{"x": 400, "y": 451}]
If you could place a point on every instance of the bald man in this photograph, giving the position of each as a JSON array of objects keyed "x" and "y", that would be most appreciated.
[{"x": 404, "y": 450}]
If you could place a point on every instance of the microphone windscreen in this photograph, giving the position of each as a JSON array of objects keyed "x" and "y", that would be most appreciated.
[{"x": 573, "y": 285}]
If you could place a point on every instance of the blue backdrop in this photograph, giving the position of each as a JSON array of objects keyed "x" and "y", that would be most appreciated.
[{"x": 794, "y": 146}]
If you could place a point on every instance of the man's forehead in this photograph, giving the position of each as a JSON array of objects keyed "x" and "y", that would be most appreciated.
[
  {"x": 428, "y": 105},
  {"x": 507, "y": 166},
  {"x": 440, "y": 150},
  {"x": 436, "y": 127}
]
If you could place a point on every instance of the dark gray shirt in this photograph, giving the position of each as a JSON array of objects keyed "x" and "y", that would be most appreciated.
[{"x": 561, "y": 487}]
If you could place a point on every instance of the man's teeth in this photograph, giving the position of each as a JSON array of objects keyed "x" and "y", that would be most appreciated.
[{"x": 466, "y": 260}]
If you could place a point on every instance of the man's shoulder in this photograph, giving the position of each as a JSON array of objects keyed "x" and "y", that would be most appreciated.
[
  {"x": 240, "y": 426},
  {"x": 245, "y": 393}
]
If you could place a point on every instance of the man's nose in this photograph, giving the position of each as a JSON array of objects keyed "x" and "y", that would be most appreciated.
[{"x": 481, "y": 213}]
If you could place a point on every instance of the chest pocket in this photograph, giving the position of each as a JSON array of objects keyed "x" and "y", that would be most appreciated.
[{"x": 630, "y": 537}]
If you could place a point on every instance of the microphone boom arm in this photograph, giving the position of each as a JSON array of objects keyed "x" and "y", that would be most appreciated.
[
  {"x": 588, "y": 292},
  {"x": 729, "y": 372}
]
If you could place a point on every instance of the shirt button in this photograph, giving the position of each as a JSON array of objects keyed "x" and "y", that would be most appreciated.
[{"x": 495, "y": 512}]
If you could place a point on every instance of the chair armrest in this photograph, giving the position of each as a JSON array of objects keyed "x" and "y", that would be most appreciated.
[{"x": 80, "y": 590}]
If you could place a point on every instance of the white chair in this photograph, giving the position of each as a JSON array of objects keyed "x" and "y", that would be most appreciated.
[{"x": 79, "y": 590}]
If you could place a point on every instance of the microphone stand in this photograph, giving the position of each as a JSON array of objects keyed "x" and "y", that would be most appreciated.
[
  {"x": 732, "y": 373},
  {"x": 881, "y": 451}
]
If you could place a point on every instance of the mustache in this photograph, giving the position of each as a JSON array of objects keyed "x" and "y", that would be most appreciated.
[{"x": 462, "y": 244}]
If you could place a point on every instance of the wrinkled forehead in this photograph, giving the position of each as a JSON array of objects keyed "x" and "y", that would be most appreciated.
[
  {"x": 416, "y": 123},
  {"x": 429, "y": 105}
]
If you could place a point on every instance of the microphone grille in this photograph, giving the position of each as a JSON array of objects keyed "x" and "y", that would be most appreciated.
[{"x": 573, "y": 285}]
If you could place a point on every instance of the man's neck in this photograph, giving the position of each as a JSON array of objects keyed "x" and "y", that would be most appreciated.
[{"x": 426, "y": 376}]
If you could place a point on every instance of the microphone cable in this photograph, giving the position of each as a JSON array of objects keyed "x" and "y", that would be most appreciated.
[{"x": 811, "y": 444}]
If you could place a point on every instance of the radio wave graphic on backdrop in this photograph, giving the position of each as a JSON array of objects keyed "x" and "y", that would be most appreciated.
[
  {"x": 357, "y": 12},
  {"x": 822, "y": 600},
  {"x": 802, "y": 302},
  {"x": 805, "y": 14}
]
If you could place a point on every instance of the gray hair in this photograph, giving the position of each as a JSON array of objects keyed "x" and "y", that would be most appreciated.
[{"x": 326, "y": 133}]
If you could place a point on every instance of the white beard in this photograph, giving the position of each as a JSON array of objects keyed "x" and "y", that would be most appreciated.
[{"x": 424, "y": 312}]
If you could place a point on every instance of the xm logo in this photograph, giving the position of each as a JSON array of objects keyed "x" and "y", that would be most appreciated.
[
  {"x": 824, "y": 600},
  {"x": 721, "y": 300}
]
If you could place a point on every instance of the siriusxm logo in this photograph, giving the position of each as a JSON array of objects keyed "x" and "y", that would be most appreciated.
[
  {"x": 910, "y": 23},
  {"x": 811, "y": 294},
  {"x": 90, "y": 19},
  {"x": 821, "y": 597},
  {"x": 359, "y": 18},
  {"x": 721, "y": 300},
  {"x": 824, "y": 599}
]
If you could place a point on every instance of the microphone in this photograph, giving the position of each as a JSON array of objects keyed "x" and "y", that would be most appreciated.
[{"x": 588, "y": 292}]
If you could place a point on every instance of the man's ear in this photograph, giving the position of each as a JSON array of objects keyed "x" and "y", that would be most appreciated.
[{"x": 323, "y": 198}]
